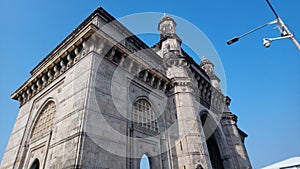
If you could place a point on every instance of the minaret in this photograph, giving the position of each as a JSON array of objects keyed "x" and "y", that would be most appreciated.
[
  {"x": 208, "y": 67},
  {"x": 190, "y": 149},
  {"x": 169, "y": 40}
]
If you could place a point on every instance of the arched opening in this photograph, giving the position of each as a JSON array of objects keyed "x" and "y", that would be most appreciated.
[
  {"x": 214, "y": 153},
  {"x": 145, "y": 162},
  {"x": 212, "y": 146},
  {"x": 35, "y": 164}
]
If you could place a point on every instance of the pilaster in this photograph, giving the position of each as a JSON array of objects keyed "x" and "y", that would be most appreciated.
[
  {"x": 235, "y": 138},
  {"x": 190, "y": 145}
]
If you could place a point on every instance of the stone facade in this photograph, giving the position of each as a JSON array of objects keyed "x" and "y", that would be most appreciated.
[{"x": 102, "y": 99}]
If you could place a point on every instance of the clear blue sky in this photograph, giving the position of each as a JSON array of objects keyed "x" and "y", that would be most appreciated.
[{"x": 264, "y": 84}]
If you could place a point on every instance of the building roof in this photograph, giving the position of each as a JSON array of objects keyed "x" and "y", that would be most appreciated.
[
  {"x": 99, "y": 12},
  {"x": 105, "y": 16},
  {"x": 84, "y": 32},
  {"x": 295, "y": 161}
]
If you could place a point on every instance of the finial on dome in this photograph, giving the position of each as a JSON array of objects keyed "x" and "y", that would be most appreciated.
[
  {"x": 208, "y": 67},
  {"x": 205, "y": 61},
  {"x": 165, "y": 17}
]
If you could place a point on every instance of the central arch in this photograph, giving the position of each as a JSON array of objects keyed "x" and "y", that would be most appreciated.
[
  {"x": 145, "y": 162},
  {"x": 144, "y": 145}
]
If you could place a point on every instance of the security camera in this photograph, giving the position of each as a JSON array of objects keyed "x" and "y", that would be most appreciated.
[{"x": 267, "y": 43}]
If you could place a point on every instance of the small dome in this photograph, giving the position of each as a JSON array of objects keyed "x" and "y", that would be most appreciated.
[
  {"x": 205, "y": 61},
  {"x": 165, "y": 17}
]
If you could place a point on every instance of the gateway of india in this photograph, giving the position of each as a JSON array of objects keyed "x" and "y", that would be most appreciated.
[{"x": 103, "y": 99}]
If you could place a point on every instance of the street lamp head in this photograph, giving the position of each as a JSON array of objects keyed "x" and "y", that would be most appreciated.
[
  {"x": 231, "y": 41},
  {"x": 267, "y": 42}
]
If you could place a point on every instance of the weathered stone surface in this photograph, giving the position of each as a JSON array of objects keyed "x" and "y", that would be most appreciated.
[{"x": 96, "y": 84}]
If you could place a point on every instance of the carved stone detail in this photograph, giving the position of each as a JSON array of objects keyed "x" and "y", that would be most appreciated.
[
  {"x": 50, "y": 76},
  {"x": 44, "y": 81},
  {"x": 70, "y": 60},
  {"x": 62, "y": 65}
]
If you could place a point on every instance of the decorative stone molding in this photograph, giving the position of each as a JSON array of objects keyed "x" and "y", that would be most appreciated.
[
  {"x": 62, "y": 66},
  {"x": 210, "y": 95},
  {"x": 42, "y": 79},
  {"x": 50, "y": 76},
  {"x": 125, "y": 56},
  {"x": 70, "y": 59},
  {"x": 131, "y": 62},
  {"x": 230, "y": 117}
]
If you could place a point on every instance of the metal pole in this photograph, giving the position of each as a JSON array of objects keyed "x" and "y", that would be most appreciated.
[
  {"x": 253, "y": 30},
  {"x": 289, "y": 33},
  {"x": 235, "y": 39}
]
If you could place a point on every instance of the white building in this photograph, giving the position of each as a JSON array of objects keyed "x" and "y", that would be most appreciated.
[{"x": 291, "y": 163}]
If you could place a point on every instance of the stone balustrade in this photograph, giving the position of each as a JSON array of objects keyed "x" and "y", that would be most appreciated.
[
  {"x": 123, "y": 58},
  {"x": 51, "y": 73}
]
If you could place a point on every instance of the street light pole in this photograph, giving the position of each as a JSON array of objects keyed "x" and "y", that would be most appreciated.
[
  {"x": 235, "y": 39},
  {"x": 284, "y": 31},
  {"x": 287, "y": 32}
]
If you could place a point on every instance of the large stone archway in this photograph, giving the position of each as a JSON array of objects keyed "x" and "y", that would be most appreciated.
[{"x": 215, "y": 141}]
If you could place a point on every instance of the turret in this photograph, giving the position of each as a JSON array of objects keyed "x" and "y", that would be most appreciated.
[
  {"x": 169, "y": 40},
  {"x": 208, "y": 67}
]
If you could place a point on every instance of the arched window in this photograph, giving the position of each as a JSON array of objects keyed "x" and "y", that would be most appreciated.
[
  {"x": 44, "y": 122},
  {"x": 144, "y": 115},
  {"x": 35, "y": 164}
]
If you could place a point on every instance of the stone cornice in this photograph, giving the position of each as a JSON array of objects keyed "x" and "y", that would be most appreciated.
[
  {"x": 130, "y": 53},
  {"x": 42, "y": 73},
  {"x": 229, "y": 116},
  {"x": 74, "y": 47},
  {"x": 55, "y": 65},
  {"x": 121, "y": 55},
  {"x": 242, "y": 133},
  {"x": 66, "y": 41}
]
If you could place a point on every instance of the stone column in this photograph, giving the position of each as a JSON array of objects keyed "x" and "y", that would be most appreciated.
[{"x": 190, "y": 149}]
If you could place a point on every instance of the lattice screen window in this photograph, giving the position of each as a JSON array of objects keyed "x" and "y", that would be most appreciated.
[
  {"x": 144, "y": 115},
  {"x": 44, "y": 121}
]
